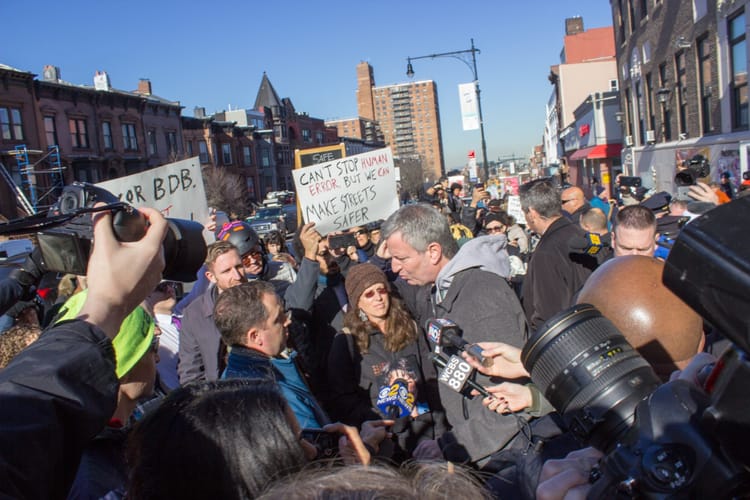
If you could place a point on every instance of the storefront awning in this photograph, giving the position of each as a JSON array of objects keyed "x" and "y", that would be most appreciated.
[{"x": 600, "y": 151}]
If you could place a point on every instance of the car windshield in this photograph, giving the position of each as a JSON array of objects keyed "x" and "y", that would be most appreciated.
[{"x": 268, "y": 212}]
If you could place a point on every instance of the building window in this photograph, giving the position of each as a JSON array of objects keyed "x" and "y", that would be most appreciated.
[
  {"x": 306, "y": 136},
  {"x": 681, "y": 77},
  {"x": 107, "y": 135},
  {"x": 78, "y": 135},
  {"x": 11, "y": 124},
  {"x": 738, "y": 62},
  {"x": 50, "y": 130},
  {"x": 203, "y": 151},
  {"x": 151, "y": 142},
  {"x": 631, "y": 16},
  {"x": 247, "y": 156},
  {"x": 666, "y": 118},
  {"x": 171, "y": 138},
  {"x": 704, "y": 83},
  {"x": 128, "y": 137},
  {"x": 266, "y": 158},
  {"x": 189, "y": 146},
  {"x": 226, "y": 153},
  {"x": 643, "y": 9},
  {"x": 650, "y": 101},
  {"x": 216, "y": 154}
]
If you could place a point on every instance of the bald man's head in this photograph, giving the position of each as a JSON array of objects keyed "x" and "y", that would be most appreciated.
[
  {"x": 572, "y": 199},
  {"x": 628, "y": 291}
]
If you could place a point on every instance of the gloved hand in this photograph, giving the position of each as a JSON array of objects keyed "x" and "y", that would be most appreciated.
[{"x": 30, "y": 274}]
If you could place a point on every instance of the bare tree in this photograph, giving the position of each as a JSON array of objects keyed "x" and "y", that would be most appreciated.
[
  {"x": 412, "y": 174},
  {"x": 225, "y": 191}
]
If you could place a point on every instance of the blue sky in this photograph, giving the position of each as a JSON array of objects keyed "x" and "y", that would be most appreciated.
[{"x": 213, "y": 54}]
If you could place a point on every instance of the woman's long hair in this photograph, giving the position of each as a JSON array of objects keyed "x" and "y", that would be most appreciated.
[
  {"x": 227, "y": 439},
  {"x": 400, "y": 329}
]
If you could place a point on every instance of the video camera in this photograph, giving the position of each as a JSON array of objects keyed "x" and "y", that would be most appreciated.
[
  {"x": 66, "y": 231},
  {"x": 677, "y": 439}
]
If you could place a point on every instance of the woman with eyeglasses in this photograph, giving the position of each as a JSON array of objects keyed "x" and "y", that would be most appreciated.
[{"x": 379, "y": 345}]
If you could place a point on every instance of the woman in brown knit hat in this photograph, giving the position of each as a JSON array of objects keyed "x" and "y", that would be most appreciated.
[{"x": 380, "y": 343}]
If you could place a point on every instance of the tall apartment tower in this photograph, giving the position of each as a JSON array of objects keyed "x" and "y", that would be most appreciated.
[{"x": 409, "y": 117}]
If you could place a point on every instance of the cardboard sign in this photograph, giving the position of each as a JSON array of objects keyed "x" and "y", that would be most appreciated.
[
  {"x": 175, "y": 189},
  {"x": 347, "y": 192}
]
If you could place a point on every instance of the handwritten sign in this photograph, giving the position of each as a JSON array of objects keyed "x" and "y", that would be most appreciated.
[
  {"x": 175, "y": 189},
  {"x": 348, "y": 192},
  {"x": 514, "y": 209}
]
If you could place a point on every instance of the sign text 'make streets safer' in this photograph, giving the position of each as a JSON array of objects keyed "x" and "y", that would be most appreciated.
[{"x": 349, "y": 191}]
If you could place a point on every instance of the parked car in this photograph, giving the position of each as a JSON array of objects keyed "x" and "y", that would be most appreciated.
[{"x": 267, "y": 219}]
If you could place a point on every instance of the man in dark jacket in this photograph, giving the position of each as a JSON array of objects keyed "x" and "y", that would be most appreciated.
[
  {"x": 467, "y": 286},
  {"x": 554, "y": 272},
  {"x": 200, "y": 341}
]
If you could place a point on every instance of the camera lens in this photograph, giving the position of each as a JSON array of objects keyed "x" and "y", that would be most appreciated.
[
  {"x": 584, "y": 366},
  {"x": 184, "y": 250}
]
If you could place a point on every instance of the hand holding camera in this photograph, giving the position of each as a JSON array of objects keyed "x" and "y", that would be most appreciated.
[{"x": 505, "y": 361}]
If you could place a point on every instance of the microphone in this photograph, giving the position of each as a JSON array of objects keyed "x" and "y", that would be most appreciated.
[
  {"x": 395, "y": 401},
  {"x": 456, "y": 373},
  {"x": 445, "y": 333},
  {"x": 589, "y": 243}
]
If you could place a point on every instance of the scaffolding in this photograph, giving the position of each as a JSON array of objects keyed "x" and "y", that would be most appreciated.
[{"x": 30, "y": 174}]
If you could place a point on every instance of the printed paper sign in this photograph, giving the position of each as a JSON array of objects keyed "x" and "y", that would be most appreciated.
[
  {"x": 347, "y": 192},
  {"x": 514, "y": 209}
]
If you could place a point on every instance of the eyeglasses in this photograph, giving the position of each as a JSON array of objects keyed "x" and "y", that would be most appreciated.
[
  {"x": 566, "y": 201},
  {"x": 251, "y": 257},
  {"x": 496, "y": 229},
  {"x": 360, "y": 232},
  {"x": 371, "y": 293}
]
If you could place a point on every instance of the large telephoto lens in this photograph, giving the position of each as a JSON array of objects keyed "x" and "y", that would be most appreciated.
[{"x": 584, "y": 366}]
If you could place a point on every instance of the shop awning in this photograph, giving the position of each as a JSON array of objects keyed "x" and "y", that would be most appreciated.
[{"x": 600, "y": 151}]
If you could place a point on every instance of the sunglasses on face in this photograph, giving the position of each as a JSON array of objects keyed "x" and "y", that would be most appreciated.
[
  {"x": 371, "y": 293},
  {"x": 497, "y": 229},
  {"x": 360, "y": 232},
  {"x": 251, "y": 257}
]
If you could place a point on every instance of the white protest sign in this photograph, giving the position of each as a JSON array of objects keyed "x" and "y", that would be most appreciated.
[
  {"x": 175, "y": 189},
  {"x": 514, "y": 209},
  {"x": 349, "y": 191}
]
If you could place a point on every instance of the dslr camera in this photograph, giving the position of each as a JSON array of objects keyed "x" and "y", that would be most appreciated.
[
  {"x": 672, "y": 440},
  {"x": 66, "y": 245}
]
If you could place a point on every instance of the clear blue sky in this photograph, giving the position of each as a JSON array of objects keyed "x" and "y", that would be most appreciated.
[{"x": 213, "y": 54}]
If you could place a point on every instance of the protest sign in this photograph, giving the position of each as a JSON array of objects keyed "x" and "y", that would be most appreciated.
[
  {"x": 348, "y": 192},
  {"x": 514, "y": 209},
  {"x": 175, "y": 189}
]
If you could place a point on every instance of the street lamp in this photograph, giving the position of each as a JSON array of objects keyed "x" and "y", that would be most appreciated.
[{"x": 473, "y": 67}]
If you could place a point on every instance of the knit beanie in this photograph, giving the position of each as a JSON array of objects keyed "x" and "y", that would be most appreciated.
[
  {"x": 132, "y": 341},
  {"x": 360, "y": 278}
]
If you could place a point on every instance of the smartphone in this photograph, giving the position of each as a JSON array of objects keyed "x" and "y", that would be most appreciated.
[
  {"x": 342, "y": 240},
  {"x": 326, "y": 443}
]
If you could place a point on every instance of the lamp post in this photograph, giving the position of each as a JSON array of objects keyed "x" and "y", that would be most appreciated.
[{"x": 473, "y": 67}]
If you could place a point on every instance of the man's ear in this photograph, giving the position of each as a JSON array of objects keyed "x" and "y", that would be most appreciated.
[
  {"x": 210, "y": 276},
  {"x": 434, "y": 252},
  {"x": 253, "y": 337}
]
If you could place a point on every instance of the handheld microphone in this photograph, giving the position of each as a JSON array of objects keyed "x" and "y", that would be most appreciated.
[
  {"x": 445, "y": 333},
  {"x": 456, "y": 374},
  {"x": 395, "y": 401}
]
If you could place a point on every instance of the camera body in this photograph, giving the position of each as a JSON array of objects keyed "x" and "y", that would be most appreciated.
[
  {"x": 344, "y": 240},
  {"x": 66, "y": 247},
  {"x": 326, "y": 443},
  {"x": 697, "y": 167},
  {"x": 672, "y": 440}
]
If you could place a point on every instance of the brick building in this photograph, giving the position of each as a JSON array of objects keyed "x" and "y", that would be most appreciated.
[{"x": 683, "y": 72}]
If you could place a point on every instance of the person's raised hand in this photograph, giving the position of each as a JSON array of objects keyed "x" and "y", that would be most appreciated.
[
  {"x": 506, "y": 360},
  {"x": 373, "y": 432},
  {"x": 478, "y": 194},
  {"x": 508, "y": 397},
  {"x": 703, "y": 192},
  {"x": 310, "y": 237},
  {"x": 121, "y": 274},
  {"x": 382, "y": 250}
]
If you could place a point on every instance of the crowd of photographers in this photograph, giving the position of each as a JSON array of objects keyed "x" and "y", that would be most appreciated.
[{"x": 394, "y": 348}]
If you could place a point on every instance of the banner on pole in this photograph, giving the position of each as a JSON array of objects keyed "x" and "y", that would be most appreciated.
[{"x": 467, "y": 93}]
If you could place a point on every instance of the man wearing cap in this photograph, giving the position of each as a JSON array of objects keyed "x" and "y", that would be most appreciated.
[{"x": 200, "y": 342}]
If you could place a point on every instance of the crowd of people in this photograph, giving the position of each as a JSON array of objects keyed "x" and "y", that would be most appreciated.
[{"x": 271, "y": 377}]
